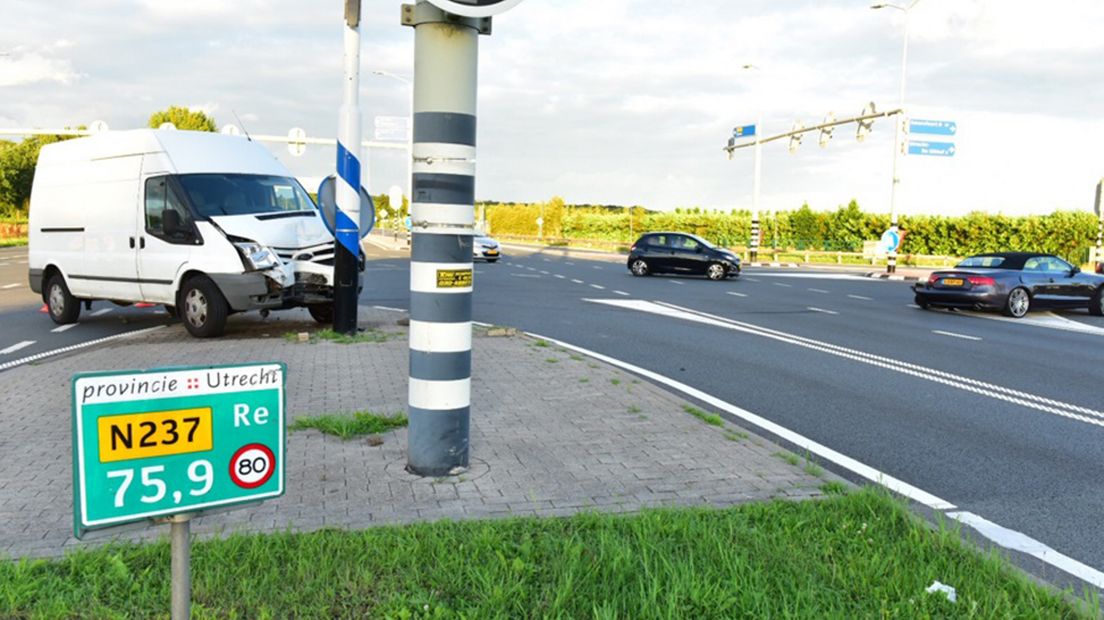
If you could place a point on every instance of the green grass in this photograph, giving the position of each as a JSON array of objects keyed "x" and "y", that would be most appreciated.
[
  {"x": 859, "y": 555},
  {"x": 349, "y": 425},
  {"x": 615, "y": 381},
  {"x": 584, "y": 380},
  {"x": 366, "y": 335},
  {"x": 736, "y": 435},
  {"x": 789, "y": 457},
  {"x": 833, "y": 487},
  {"x": 709, "y": 418},
  {"x": 551, "y": 360},
  {"x": 541, "y": 343},
  {"x": 634, "y": 409}
]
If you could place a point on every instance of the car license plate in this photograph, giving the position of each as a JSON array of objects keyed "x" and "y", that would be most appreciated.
[
  {"x": 492, "y": 252},
  {"x": 953, "y": 282}
]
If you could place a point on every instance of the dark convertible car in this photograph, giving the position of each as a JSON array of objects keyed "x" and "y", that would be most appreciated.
[
  {"x": 1013, "y": 282},
  {"x": 675, "y": 252}
]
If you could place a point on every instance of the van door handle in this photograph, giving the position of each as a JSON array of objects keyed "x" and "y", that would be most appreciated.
[
  {"x": 131, "y": 243},
  {"x": 141, "y": 243}
]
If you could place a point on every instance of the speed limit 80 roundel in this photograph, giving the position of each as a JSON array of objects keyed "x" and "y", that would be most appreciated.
[{"x": 475, "y": 8}]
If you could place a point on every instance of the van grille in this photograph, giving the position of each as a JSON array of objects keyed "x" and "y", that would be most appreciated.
[{"x": 322, "y": 254}]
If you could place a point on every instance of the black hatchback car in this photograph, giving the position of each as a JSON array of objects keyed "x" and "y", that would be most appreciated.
[
  {"x": 1013, "y": 282},
  {"x": 675, "y": 252}
]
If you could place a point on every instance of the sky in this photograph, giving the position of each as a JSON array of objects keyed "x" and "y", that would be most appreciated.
[{"x": 618, "y": 101}]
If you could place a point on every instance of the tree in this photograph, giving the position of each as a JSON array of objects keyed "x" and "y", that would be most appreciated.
[
  {"x": 17, "y": 165},
  {"x": 183, "y": 118}
]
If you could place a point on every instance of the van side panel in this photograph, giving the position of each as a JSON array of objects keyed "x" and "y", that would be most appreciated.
[
  {"x": 56, "y": 229},
  {"x": 105, "y": 192}
]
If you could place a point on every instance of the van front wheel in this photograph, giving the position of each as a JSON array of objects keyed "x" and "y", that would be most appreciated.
[
  {"x": 203, "y": 308},
  {"x": 63, "y": 307},
  {"x": 323, "y": 313}
]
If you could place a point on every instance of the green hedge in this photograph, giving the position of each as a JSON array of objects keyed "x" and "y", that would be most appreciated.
[{"x": 1068, "y": 234}]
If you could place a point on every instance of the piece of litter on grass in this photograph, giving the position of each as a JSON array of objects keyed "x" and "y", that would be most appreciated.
[
  {"x": 945, "y": 589},
  {"x": 304, "y": 337}
]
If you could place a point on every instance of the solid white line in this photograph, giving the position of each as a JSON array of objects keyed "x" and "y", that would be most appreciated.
[
  {"x": 73, "y": 347},
  {"x": 954, "y": 335},
  {"x": 821, "y": 310},
  {"x": 103, "y": 311},
  {"x": 62, "y": 328},
  {"x": 675, "y": 282},
  {"x": 817, "y": 290},
  {"x": 388, "y": 309},
  {"x": 598, "y": 286},
  {"x": 1011, "y": 539},
  {"x": 622, "y": 293},
  {"x": 802, "y": 442},
  {"x": 559, "y": 276},
  {"x": 783, "y": 285},
  {"x": 735, "y": 294},
  {"x": 861, "y": 297},
  {"x": 577, "y": 281},
  {"x": 7, "y": 286},
  {"x": 17, "y": 346}
]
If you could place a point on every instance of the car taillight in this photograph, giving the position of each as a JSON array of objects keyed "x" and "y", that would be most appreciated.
[
  {"x": 982, "y": 281},
  {"x": 933, "y": 278},
  {"x": 1100, "y": 267}
]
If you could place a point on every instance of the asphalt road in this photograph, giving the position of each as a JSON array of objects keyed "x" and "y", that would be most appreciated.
[{"x": 1000, "y": 417}]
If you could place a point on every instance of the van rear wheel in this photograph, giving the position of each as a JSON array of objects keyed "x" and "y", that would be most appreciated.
[
  {"x": 202, "y": 307},
  {"x": 63, "y": 307}
]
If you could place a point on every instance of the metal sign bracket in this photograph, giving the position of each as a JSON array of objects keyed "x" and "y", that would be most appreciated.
[{"x": 425, "y": 13}]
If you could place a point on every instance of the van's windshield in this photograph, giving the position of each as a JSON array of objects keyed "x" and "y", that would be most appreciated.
[{"x": 244, "y": 194}]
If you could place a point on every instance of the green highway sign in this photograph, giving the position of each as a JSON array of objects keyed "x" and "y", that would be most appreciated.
[{"x": 174, "y": 441}]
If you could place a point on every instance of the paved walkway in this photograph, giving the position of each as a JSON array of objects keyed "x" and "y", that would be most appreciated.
[{"x": 553, "y": 433}]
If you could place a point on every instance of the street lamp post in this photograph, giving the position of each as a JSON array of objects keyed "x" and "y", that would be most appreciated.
[
  {"x": 898, "y": 146},
  {"x": 410, "y": 132}
]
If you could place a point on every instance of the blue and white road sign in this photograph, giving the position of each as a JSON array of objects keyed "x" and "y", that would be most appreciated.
[
  {"x": 743, "y": 131},
  {"x": 935, "y": 149},
  {"x": 891, "y": 239},
  {"x": 935, "y": 128}
]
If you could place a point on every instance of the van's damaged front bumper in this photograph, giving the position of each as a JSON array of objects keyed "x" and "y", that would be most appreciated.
[{"x": 292, "y": 284}]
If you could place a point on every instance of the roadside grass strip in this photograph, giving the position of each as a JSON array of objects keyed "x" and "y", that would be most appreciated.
[
  {"x": 857, "y": 555},
  {"x": 362, "y": 336},
  {"x": 349, "y": 425}
]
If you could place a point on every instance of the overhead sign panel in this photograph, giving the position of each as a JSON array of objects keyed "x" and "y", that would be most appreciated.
[
  {"x": 743, "y": 131},
  {"x": 933, "y": 128},
  {"x": 157, "y": 443},
  {"x": 935, "y": 149}
]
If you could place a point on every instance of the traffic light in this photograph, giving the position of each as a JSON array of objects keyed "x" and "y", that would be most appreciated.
[
  {"x": 826, "y": 132},
  {"x": 795, "y": 140},
  {"x": 865, "y": 125}
]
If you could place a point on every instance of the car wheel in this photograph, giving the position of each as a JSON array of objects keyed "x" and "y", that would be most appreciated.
[
  {"x": 639, "y": 267},
  {"x": 920, "y": 301},
  {"x": 715, "y": 271},
  {"x": 204, "y": 309},
  {"x": 323, "y": 313},
  {"x": 735, "y": 272},
  {"x": 1096, "y": 304},
  {"x": 1018, "y": 303},
  {"x": 492, "y": 260},
  {"x": 63, "y": 307}
]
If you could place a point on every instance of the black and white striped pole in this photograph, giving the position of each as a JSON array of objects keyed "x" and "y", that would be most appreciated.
[
  {"x": 446, "y": 47},
  {"x": 347, "y": 194},
  {"x": 1099, "y": 226}
]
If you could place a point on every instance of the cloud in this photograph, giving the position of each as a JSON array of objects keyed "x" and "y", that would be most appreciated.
[{"x": 32, "y": 68}]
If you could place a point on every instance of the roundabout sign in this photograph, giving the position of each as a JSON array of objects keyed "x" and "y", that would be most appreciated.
[{"x": 475, "y": 8}]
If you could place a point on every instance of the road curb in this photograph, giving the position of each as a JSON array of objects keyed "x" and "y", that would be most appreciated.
[{"x": 892, "y": 276}]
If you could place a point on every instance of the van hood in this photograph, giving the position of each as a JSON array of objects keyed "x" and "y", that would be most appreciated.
[{"x": 284, "y": 231}]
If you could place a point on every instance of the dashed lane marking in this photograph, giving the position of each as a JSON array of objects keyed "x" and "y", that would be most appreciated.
[
  {"x": 621, "y": 293},
  {"x": 101, "y": 312},
  {"x": 577, "y": 281},
  {"x": 954, "y": 335},
  {"x": 675, "y": 282},
  {"x": 598, "y": 286},
  {"x": 817, "y": 290},
  {"x": 783, "y": 285},
  {"x": 74, "y": 347},
  {"x": 821, "y": 310},
  {"x": 7, "y": 286},
  {"x": 17, "y": 346},
  {"x": 861, "y": 297},
  {"x": 735, "y": 294},
  {"x": 63, "y": 328}
]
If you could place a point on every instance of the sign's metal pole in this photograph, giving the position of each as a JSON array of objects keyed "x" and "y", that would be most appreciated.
[
  {"x": 443, "y": 216},
  {"x": 347, "y": 248},
  {"x": 1099, "y": 207},
  {"x": 181, "y": 567}
]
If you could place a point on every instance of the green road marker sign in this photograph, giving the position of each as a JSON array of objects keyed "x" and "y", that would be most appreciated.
[{"x": 175, "y": 441}]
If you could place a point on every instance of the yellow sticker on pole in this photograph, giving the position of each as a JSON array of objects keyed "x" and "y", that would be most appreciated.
[
  {"x": 161, "y": 433},
  {"x": 454, "y": 278}
]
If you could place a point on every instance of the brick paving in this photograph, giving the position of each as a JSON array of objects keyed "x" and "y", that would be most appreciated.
[{"x": 548, "y": 438}]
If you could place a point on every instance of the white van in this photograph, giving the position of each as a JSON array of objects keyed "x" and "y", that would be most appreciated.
[{"x": 204, "y": 223}]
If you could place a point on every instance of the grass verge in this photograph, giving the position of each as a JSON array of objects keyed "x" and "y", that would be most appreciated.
[
  {"x": 12, "y": 242},
  {"x": 859, "y": 555},
  {"x": 362, "y": 336},
  {"x": 350, "y": 425},
  {"x": 709, "y": 418}
]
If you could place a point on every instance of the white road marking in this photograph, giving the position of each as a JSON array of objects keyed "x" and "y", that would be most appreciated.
[
  {"x": 73, "y": 347},
  {"x": 1011, "y": 539},
  {"x": 817, "y": 290},
  {"x": 821, "y": 310},
  {"x": 802, "y": 442},
  {"x": 530, "y": 269},
  {"x": 912, "y": 306},
  {"x": 861, "y": 297},
  {"x": 954, "y": 335},
  {"x": 595, "y": 267},
  {"x": 577, "y": 281},
  {"x": 103, "y": 311},
  {"x": 568, "y": 262},
  {"x": 17, "y": 346},
  {"x": 547, "y": 260},
  {"x": 1042, "y": 319},
  {"x": 598, "y": 286},
  {"x": 783, "y": 285},
  {"x": 544, "y": 272},
  {"x": 735, "y": 294},
  {"x": 559, "y": 276},
  {"x": 621, "y": 293},
  {"x": 7, "y": 286},
  {"x": 675, "y": 282},
  {"x": 386, "y": 308},
  {"x": 62, "y": 328},
  {"x": 816, "y": 276},
  {"x": 751, "y": 279},
  {"x": 525, "y": 275},
  {"x": 966, "y": 384}
]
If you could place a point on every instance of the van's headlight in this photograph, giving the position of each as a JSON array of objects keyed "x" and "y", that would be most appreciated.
[{"x": 256, "y": 256}]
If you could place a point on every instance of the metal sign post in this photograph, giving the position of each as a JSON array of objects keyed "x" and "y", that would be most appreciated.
[
  {"x": 347, "y": 248},
  {"x": 1099, "y": 224},
  {"x": 442, "y": 209},
  {"x": 163, "y": 445}
]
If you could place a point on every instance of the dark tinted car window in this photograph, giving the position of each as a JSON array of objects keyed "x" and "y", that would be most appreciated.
[
  {"x": 685, "y": 243},
  {"x": 657, "y": 241},
  {"x": 982, "y": 261}
]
